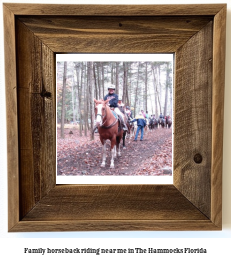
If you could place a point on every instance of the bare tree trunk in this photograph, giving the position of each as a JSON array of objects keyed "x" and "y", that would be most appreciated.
[
  {"x": 155, "y": 88},
  {"x": 151, "y": 101},
  {"x": 117, "y": 90},
  {"x": 158, "y": 90},
  {"x": 166, "y": 89},
  {"x": 103, "y": 79},
  {"x": 95, "y": 81},
  {"x": 130, "y": 92},
  {"x": 90, "y": 89},
  {"x": 76, "y": 96},
  {"x": 87, "y": 95},
  {"x": 124, "y": 97},
  {"x": 127, "y": 92},
  {"x": 127, "y": 97},
  {"x": 170, "y": 91},
  {"x": 73, "y": 97},
  {"x": 99, "y": 80},
  {"x": 63, "y": 99},
  {"x": 137, "y": 87},
  {"x": 112, "y": 73},
  {"x": 80, "y": 101},
  {"x": 146, "y": 87},
  {"x": 85, "y": 100}
]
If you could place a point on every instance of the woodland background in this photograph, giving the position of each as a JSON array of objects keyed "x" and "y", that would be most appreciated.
[{"x": 140, "y": 85}]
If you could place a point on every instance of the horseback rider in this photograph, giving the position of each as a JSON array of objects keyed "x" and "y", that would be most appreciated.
[
  {"x": 113, "y": 103},
  {"x": 128, "y": 112},
  {"x": 121, "y": 105}
]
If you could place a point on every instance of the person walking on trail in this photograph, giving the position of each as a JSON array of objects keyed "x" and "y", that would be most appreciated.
[
  {"x": 141, "y": 123},
  {"x": 113, "y": 103},
  {"x": 147, "y": 115},
  {"x": 161, "y": 116}
]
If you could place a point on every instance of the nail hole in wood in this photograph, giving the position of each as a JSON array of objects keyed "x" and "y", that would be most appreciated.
[
  {"x": 46, "y": 94},
  {"x": 198, "y": 158}
]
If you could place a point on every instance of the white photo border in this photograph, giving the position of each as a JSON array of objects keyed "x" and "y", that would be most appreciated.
[{"x": 77, "y": 180}]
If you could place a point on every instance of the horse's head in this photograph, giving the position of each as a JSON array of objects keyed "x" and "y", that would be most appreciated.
[{"x": 100, "y": 111}]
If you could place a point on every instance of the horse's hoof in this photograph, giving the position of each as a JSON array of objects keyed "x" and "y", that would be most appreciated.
[
  {"x": 119, "y": 155},
  {"x": 112, "y": 167},
  {"x": 102, "y": 165},
  {"x": 124, "y": 148}
]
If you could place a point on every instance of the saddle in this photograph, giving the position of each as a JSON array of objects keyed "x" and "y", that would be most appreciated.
[{"x": 118, "y": 117}]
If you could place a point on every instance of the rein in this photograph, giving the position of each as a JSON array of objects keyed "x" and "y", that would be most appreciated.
[{"x": 109, "y": 126}]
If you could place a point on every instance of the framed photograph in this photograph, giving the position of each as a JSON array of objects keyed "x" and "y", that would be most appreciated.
[
  {"x": 34, "y": 35},
  {"x": 143, "y": 85}
]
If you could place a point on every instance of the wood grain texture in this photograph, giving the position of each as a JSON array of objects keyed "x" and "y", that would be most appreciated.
[
  {"x": 218, "y": 114},
  {"x": 115, "y": 34},
  {"x": 193, "y": 118},
  {"x": 115, "y": 10},
  {"x": 12, "y": 121},
  {"x": 114, "y": 225},
  {"x": 108, "y": 202},
  {"x": 36, "y": 108},
  {"x": 194, "y": 201},
  {"x": 108, "y": 207}
]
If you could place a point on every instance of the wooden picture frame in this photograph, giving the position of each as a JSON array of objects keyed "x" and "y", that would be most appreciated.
[{"x": 33, "y": 33}]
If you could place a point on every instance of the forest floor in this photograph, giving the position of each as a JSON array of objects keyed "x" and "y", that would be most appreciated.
[{"x": 79, "y": 156}]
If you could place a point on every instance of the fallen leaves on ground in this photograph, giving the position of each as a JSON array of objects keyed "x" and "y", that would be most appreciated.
[{"x": 78, "y": 155}]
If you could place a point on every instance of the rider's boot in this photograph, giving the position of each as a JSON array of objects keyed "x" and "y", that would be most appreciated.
[
  {"x": 123, "y": 124},
  {"x": 125, "y": 128}
]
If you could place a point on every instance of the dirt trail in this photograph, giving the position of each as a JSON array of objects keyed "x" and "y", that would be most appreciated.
[{"x": 150, "y": 157}]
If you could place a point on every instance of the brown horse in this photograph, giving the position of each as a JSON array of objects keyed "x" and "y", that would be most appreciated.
[
  {"x": 168, "y": 122},
  {"x": 108, "y": 128}
]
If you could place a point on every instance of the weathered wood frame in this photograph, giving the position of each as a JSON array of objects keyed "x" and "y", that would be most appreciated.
[{"x": 33, "y": 34}]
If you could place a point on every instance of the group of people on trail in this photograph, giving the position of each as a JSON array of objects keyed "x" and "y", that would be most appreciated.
[
  {"x": 142, "y": 119},
  {"x": 115, "y": 102},
  {"x": 160, "y": 118}
]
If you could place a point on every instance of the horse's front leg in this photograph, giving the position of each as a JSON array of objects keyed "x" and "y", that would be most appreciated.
[
  {"x": 113, "y": 155},
  {"x": 118, "y": 149},
  {"x": 113, "y": 152},
  {"x": 104, "y": 153}
]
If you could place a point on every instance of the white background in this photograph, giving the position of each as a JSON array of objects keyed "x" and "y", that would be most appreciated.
[{"x": 217, "y": 243}]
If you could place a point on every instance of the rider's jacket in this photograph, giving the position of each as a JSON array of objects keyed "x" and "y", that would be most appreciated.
[
  {"x": 113, "y": 99},
  {"x": 140, "y": 121}
]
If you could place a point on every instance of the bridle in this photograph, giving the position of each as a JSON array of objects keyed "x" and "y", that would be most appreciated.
[{"x": 103, "y": 117}]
